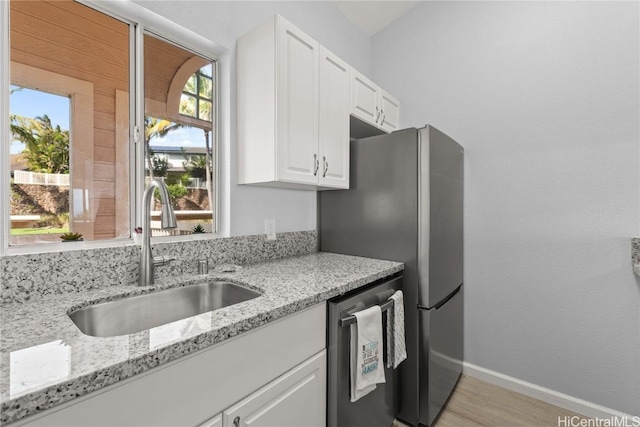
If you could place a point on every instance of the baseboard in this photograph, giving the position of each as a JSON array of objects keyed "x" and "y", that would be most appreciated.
[{"x": 561, "y": 400}]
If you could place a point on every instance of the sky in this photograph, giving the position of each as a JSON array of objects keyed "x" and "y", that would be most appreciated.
[
  {"x": 33, "y": 103},
  {"x": 181, "y": 137}
]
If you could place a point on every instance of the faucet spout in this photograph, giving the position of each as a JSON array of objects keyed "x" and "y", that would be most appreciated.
[{"x": 168, "y": 220}]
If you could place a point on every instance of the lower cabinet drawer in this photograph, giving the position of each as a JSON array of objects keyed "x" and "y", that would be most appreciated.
[
  {"x": 295, "y": 399},
  {"x": 213, "y": 422}
]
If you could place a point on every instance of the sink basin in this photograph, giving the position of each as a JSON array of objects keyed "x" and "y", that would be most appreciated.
[{"x": 138, "y": 313}]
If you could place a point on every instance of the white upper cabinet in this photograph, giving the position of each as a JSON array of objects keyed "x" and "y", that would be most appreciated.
[
  {"x": 372, "y": 104},
  {"x": 334, "y": 120},
  {"x": 294, "y": 102},
  {"x": 296, "y": 105},
  {"x": 364, "y": 98},
  {"x": 292, "y": 111},
  {"x": 389, "y": 111}
]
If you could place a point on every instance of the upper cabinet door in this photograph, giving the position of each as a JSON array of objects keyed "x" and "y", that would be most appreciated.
[
  {"x": 298, "y": 159},
  {"x": 334, "y": 121},
  {"x": 389, "y": 112},
  {"x": 364, "y": 98},
  {"x": 373, "y": 105}
]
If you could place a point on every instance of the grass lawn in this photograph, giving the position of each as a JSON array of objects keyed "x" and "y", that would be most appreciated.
[{"x": 29, "y": 231}]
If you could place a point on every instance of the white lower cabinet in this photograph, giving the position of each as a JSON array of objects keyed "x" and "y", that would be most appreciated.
[
  {"x": 274, "y": 375},
  {"x": 295, "y": 399},
  {"x": 213, "y": 422}
]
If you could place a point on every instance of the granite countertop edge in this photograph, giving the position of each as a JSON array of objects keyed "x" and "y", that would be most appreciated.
[
  {"x": 635, "y": 255},
  {"x": 53, "y": 395}
]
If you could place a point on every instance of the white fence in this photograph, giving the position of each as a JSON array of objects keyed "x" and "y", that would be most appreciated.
[{"x": 25, "y": 177}]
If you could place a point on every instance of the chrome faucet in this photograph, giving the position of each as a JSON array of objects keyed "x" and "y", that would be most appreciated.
[{"x": 168, "y": 220}]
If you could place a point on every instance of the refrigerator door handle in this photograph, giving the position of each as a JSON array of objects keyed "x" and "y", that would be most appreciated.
[{"x": 443, "y": 302}]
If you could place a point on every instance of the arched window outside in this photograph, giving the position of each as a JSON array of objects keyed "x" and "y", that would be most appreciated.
[{"x": 197, "y": 96}]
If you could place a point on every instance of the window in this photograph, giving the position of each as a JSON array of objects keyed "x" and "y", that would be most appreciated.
[
  {"x": 179, "y": 129},
  {"x": 87, "y": 64},
  {"x": 74, "y": 168},
  {"x": 39, "y": 156},
  {"x": 197, "y": 95}
]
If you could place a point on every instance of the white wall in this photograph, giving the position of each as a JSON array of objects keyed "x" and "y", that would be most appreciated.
[
  {"x": 544, "y": 98},
  {"x": 246, "y": 207}
]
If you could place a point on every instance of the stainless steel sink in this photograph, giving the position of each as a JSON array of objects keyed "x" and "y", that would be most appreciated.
[{"x": 137, "y": 313}]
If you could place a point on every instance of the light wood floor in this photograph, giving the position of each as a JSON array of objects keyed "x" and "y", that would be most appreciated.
[{"x": 475, "y": 403}]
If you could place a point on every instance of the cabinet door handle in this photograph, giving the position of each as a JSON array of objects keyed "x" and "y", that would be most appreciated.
[
  {"x": 377, "y": 114},
  {"x": 326, "y": 166},
  {"x": 236, "y": 422},
  {"x": 317, "y": 164},
  {"x": 383, "y": 117}
]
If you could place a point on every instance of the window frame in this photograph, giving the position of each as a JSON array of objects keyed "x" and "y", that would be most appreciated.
[
  {"x": 141, "y": 21},
  {"x": 197, "y": 96}
]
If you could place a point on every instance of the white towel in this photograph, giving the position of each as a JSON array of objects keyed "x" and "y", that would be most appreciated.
[
  {"x": 367, "y": 367},
  {"x": 396, "y": 346}
]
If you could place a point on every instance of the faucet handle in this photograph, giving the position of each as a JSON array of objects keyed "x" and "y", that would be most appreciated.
[
  {"x": 203, "y": 267},
  {"x": 162, "y": 260}
]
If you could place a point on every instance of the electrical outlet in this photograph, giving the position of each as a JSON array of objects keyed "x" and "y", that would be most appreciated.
[{"x": 270, "y": 229}]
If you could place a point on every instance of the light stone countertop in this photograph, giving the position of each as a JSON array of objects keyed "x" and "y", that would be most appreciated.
[
  {"x": 635, "y": 255},
  {"x": 46, "y": 360}
]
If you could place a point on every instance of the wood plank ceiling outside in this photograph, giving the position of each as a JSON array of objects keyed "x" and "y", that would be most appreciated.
[{"x": 161, "y": 62}]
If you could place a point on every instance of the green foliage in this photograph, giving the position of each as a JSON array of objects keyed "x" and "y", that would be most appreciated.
[
  {"x": 21, "y": 129},
  {"x": 198, "y": 229},
  {"x": 36, "y": 231},
  {"x": 63, "y": 219},
  {"x": 159, "y": 165},
  {"x": 196, "y": 167},
  {"x": 155, "y": 128},
  {"x": 176, "y": 191},
  {"x": 158, "y": 128},
  {"x": 47, "y": 148},
  {"x": 52, "y": 220},
  {"x": 185, "y": 179},
  {"x": 69, "y": 237}
]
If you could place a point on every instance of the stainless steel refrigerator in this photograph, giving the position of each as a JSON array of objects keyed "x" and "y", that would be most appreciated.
[{"x": 405, "y": 204}]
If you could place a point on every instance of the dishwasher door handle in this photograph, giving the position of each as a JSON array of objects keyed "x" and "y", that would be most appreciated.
[{"x": 350, "y": 320}]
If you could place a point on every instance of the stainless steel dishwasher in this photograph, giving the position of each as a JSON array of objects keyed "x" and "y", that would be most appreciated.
[{"x": 380, "y": 407}]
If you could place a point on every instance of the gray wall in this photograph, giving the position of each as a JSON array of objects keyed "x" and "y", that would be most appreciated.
[
  {"x": 544, "y": 98},
  {"x": 246, "y": 207}
]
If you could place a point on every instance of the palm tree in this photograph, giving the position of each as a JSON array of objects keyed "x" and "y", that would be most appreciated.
[
  {"x": 47, "y": 148},
  {"x": 21, "y": 126},
  {"x": 22, "y": 129},
  {"x": 154, "y": 127},
  {"x": 196, "y": 167}
]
